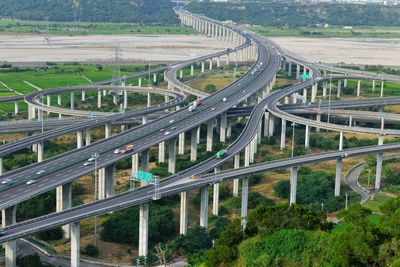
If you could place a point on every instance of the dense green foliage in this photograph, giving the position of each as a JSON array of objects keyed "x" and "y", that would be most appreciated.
[
  {"x": 90, "y": 250},
  {"x": 299, "y": 15},
  {"x": 138, "y": 11},
  {"x": 123, "y": 226},
  {"x": 32, "y": 261}
]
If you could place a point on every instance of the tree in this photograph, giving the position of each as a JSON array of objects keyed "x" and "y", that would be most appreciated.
[{"x": 99, "y": 67}]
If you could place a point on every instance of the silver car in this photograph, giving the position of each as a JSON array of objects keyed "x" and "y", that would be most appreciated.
[{"x": 31, "y": 181}]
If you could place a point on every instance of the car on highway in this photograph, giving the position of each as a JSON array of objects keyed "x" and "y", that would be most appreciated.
[
  {"x": 193, "y": 177},
  {"x": 212, "y": 109},
  {"x": 88, "y": 163},
  {"x": 117, "y": 151},
  {"x": 224, "y": 99},
  {"x": 171, "y": 121},
  {"x": 173, "y": 128},
  {"x": 167, "y": 133},
  {"x": 7, "y": 181},
  {"x": 162, "y": 130},
  {"x": 127, "y": 149},
  {"x": 221, "y": 153},
  {"x": 32, "y": 181},
  {"x": 40, "y": 171},
  {"x": 91, "y": 159},
  {"x": 345, "y": 155}
]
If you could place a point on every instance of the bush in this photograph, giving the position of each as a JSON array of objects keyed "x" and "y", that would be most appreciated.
[
  {"x": 194, "y": 241},
  {"x": 255, "y": 199},
  {"x": 90, "y": 250},
  {"x": 282, "y": 189},
  {"x": 52, "y": 234}
]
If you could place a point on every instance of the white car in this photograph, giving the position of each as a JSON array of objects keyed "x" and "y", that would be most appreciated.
[
  {"x": 116, "y": 151},
  {"x": 88, "y": 163},
  {"x": 40, "y": 171},
  {"x": 91, "y": 159},
  {"x": 224, "y": 99},
  {"x": 7, "y": 181},
  {"x": 167, "y": 133},
  {"x": 212, "y": 109},
  {"x": 31, "y": 181},
  {"x": 171, "y": 121}
]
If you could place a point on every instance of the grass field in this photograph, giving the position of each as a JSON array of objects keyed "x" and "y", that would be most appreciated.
[
  {"x": 342, "y": 225},
  {"x": 39, "y": 27},
  {"x": 338, "y": 32}
]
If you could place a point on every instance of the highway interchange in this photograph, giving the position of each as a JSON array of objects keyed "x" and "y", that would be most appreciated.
[{"x": 69, "y": 166}]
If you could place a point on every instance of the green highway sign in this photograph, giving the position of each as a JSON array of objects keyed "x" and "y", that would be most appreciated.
[
  {"x": 145, "y": 176},
  {"x": 305, "y": 76},
  {"x": 90, "y": 114}
]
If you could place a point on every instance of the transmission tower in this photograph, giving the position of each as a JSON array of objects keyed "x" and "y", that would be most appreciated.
[
  {"x": 47, "y": 37},
  {"x": 117, "y": 73}
]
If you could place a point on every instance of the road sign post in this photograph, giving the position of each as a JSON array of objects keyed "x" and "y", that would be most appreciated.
[{"x": 147, "y": 177}]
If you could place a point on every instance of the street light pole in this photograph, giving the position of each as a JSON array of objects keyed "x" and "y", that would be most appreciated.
[
  {"x": 346, "y": 199},
  {"x": 293, "y": 125}
]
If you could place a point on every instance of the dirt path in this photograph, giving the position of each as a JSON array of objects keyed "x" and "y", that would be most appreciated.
[
  {"x": 9, "y": 88},
  {"x": 34, "y": 86}
]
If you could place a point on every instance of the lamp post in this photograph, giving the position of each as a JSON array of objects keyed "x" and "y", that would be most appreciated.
[
  {"x": 95, "y": 156},
  {"x": 293, "y": 125},
  {"x": 347, "y": 195}
]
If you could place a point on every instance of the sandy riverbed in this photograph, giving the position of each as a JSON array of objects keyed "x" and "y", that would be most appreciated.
[
  {"x": 33, "y": 48},
  {"x": 362, "y": 51}
]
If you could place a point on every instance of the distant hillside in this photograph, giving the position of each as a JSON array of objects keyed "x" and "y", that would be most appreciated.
[
  {"x": 298, "y": 15},
  {"x": 135, "y": 11}
]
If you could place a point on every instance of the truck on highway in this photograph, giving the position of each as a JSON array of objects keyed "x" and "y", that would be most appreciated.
[
  {"x": 221, "y": 153},
  {"x": 127, "y": 149}
]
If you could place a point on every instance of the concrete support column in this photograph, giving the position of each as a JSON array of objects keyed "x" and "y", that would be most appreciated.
[
  {"x": 211, "y": 64},
  {"x": 191, "y": 69},
  {"x": 64, "y": 202},
  {"x": 9, "y": 218},
  {"x": 15, "y": 107},
  {"x": 297, "y": 71},
  {"x": 88, "y": 136},
  {"x": 338, "y": 178},
  {"x": 341, "y": 141},
  {"x": 172, "y": 155},
  {"x": 304, "y": 96},
  {"x": 210, "y": 132},
  {"x": 378, "y": 177},
  {"x": 215, "y": 199},
  {"x": 184, "y": 213},
  {"x": 161, "y": 152},
  {"x": 99, "y": 99},
  {"x": 107, "y": 182},
  {"x": 222, "y": 132},
  {"x": 266, "y": 123},
  {"x": 289, "y": 69},
  {"x": 218, "y": 62},
  {"x": 40, "y": 151},
  {"x": 307, "y": 139},
  {"x": 83, "y": 95},
  {"x": 75, "y": 243},
  {"x": 59, "y": 99},
  {"x": 79, "y": 139},
  {"x": 145, "y": 160},
  {"x": 382, "y": 88},
  {"x": 202, "y": 66},
  {"x": 283, "y": 134},
  {"x": 1, "y": 166},
  {"x": 358, "y": 87},
  {"x": 135, "y": 163},
  {"x": 245, "y": 196},
  {"x": 293, "y": 184},
  {"x": 181, "y": 143},
  {"x": 247, "y": 155},
  {"x": 236, "y": 165},
  {"x": 324, "y": 89},
  {"x": 154, "y": 77},
  {"x": 345, "y": 83},
  {"x": 204, "y": 207},
  {"x": 314, "y": 90},
  {"x": 143, "y": 229},
  {"x": 317, "y": 129},
  {"x": 148, "y": 99},
  {"x": 339, "y": 88},
  {"x": 193, "y": 144},
  {"x": 271, "y": 126},
  {"x": 373, "y": 85},
  {"x": 140, "y": 81},
  {"x": 108, "y": 130}
]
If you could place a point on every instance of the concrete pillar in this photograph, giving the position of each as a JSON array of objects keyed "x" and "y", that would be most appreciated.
[
  {"x": 154, "y": 77},
  {"x": 83, "y": 95},
  {"x": 341, "y": 141},
  {"x": 107, "y": 130},
  {"x": 140, "y": 81},
  {"x": 204, "y": 207},
  {"x": 15, "y": 107},
  {"x": 324, "y": 89},
  {"x": 1, "y": 166},
  {"x": 180, "y": 73},
  {"x": 72, "y": 100},
  {"x": 307, "y": 139},
  {"x": 40, "y": 151},
  {"x": 215, "y": 199},
  {"x": 144, "y": 160},
  {"x": 59, "y": 99},
  {"x": 64, "y": 202},
  {"x": 378, "y": 177},
  {"x": 350, "y": 120},
  {"x": 210, "y": 131},
  {"x": 172, "y": 155},
  {"x": 236, "y": 165},
  {"x": 184, "y": 213},
  {"x": 339, "y": 88},
  {"x": 79, "y": 139},
  {"x": 345, "y": 83},
  {"x": 143, "y": 229},
  {"x": 266, "y": 123},
  {"x": 9, "y": 218},
  {"x": 373, "y": 85},
  {"x": 314, "y": 90},
  {"x": 181, "y": 143},
  {"x": 222, "y": 132},
  {"x": 317, "y": 129},
  {"x": 161, "y": 152},
  {"x": 148, "y": 99},
  {"x": 135, "y": 163},
  {"x": 297, "y": 71},
  {"x": 99, "y": 99},
  {"x": 245, "y": 196},
  {"x": 271, "y": 126},
  {"x": 218, "y": 61},
  {"x": 75, "y": 244},
  {"x": 338, "y": 178},
  {"x": 107, "y": 182},
  {"x": 191, "y": 69},
  {"x": 193, "y": 144},
  {"x": 289, "y": 69},
  {"x": 211, "y": 64},
  {"x": 247, "y": 156},
  {"x": 88, "y": 136},
  {"x": 283, "y": 134},
  {"x": 202, "y": 66},
  {"x": 382, "y": 89},
  {"x": 293, "y": 184}
]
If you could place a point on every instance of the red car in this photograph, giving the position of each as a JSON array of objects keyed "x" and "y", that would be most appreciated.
[{"x": 162, "y": 130}]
